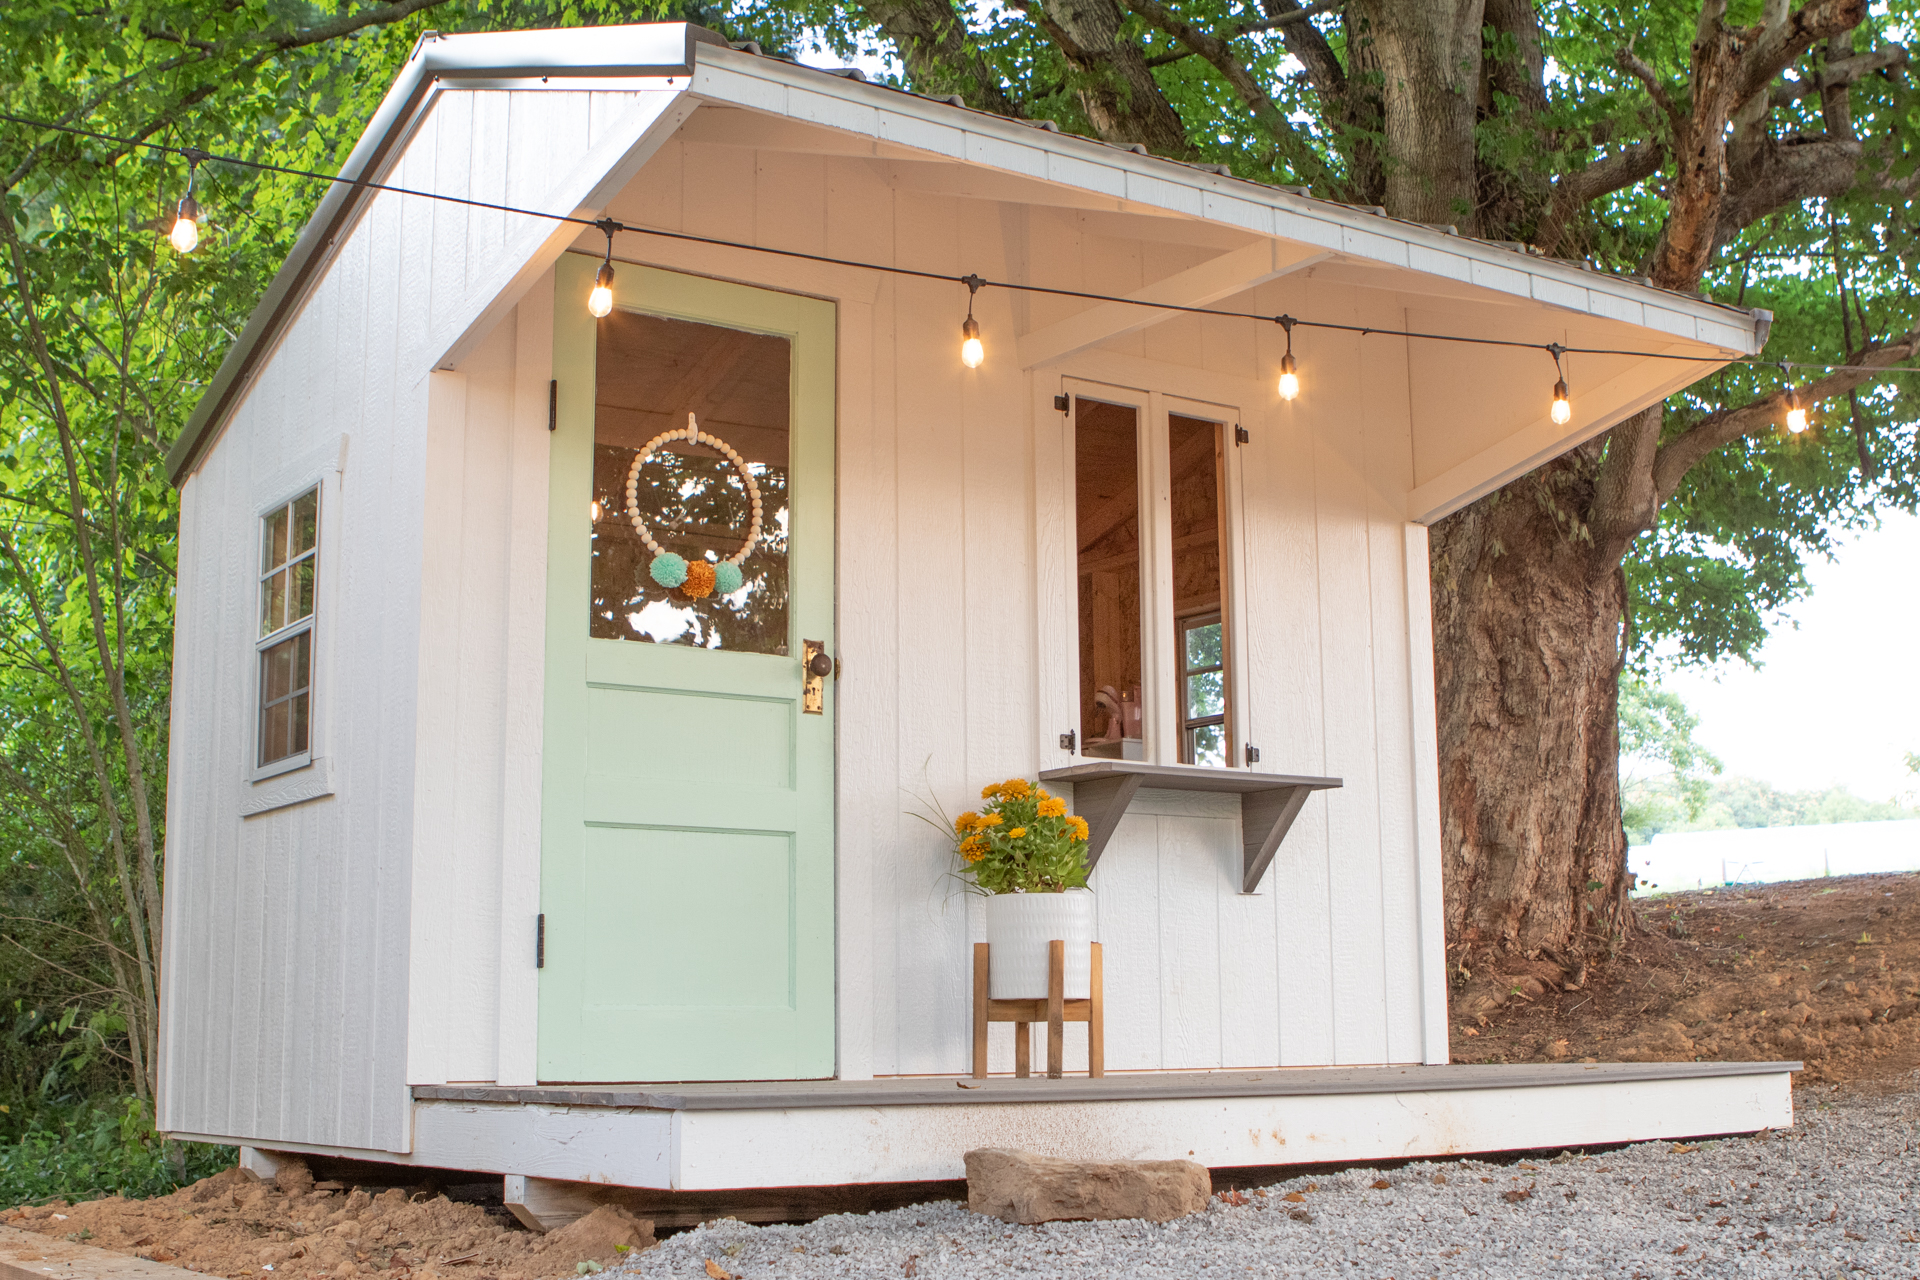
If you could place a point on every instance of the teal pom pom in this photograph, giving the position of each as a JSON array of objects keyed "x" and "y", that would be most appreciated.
[
  {"x": 668, "y": 569},
  {"x": 727, "y": 578}
]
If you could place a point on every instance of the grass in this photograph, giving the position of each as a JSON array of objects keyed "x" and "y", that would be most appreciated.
[{"x": 92, "y": 1148}]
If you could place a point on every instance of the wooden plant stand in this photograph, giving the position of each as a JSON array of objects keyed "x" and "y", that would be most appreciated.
[{"x": 1055, "y": 1010}]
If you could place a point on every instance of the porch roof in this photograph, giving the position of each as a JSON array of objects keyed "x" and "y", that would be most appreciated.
[{"x": 698, "y": 78}]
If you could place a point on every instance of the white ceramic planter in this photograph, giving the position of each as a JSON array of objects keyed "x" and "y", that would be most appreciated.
[{"x": 1019, "y": 926}]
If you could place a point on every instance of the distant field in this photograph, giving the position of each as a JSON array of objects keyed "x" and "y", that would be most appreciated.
[{"x": 1676, "y": 862}]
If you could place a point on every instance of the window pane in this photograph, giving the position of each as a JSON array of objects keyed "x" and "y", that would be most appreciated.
[
  {"x": 1206, "y": 694},
  {"x": 1203, "y": 646},
  {"x": 276, "y": 723},
  {"x": 1106, "y": 488},
  {"x": 273, "y": 549},
  {"x": 276, "y": 672},
  {"x": 306, "y": 512},
  {"x": 301, "y": 602},
  {"x": 1197, "y": 465},
  {"x": 297, "y": 730},
  {"x": 1207, "y": 744},
  {"x": 273, "y": 603},
  {"x": 652, "y": 372}
]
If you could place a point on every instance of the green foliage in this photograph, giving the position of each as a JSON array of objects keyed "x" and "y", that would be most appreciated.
[
  {"x": 1733, "y": 803},
  {"x": 1021, "y": 841},
  {"x": 1656, "y": 734},
  {"x": 86, "y": 1150}
]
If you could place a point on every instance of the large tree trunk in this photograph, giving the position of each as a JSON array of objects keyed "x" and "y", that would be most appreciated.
[{"x": 1527, "y": 635}]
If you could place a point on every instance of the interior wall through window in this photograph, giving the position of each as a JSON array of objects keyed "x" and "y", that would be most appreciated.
[{"x": 1106, "y": 486}]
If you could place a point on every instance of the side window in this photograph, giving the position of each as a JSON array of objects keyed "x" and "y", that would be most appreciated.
[{"x": 289, "y": 565}]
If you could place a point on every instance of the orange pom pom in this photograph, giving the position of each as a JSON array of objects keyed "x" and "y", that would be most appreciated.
[{"x": 699, "y": 580}]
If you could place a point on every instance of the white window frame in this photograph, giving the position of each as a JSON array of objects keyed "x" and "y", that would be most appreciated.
[
  {"x": 257, "y": 771},
  {"x": 1159, "y": 660}
]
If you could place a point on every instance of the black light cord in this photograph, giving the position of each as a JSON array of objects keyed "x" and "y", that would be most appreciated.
[{"x": 195, "y": 156}]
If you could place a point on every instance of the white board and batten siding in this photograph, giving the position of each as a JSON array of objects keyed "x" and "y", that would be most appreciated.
[
  {"x": 951, "y": 517},
  {"x": 312, "y": 916}
]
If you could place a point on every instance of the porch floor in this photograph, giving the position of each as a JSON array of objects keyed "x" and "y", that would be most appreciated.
[{"x": 920, "y": 1091}]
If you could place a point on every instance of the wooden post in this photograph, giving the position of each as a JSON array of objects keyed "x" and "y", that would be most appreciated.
[
  {"x": 1096, "y": 1017},
  {"x": 980, "y": 971},
  {"x": 1023, "y": 1049},
  {"x": 1056, "y": 1008}
]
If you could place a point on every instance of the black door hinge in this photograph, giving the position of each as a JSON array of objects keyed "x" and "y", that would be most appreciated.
[
  {"x": 540, "y": 941},
  {"x": 553, "y": 405},
  {"x": 1240, "y": 435},
  {"x": 1061, "y": 404},
  {"x": 1067, "y": 740},
  {"x": 1253, "y": 754}
]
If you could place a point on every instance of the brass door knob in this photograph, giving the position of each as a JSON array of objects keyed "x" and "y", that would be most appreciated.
[{"x": 821, "y": 665}]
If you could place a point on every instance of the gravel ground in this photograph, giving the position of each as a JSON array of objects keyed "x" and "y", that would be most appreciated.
[{"x": 1837, "y": 1195}]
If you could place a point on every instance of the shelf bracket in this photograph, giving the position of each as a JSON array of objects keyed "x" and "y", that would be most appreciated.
[
  {"x": 1103, "y": 802},
  {"x": 1265, "y": 817}
]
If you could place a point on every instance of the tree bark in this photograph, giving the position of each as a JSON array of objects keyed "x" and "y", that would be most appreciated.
[
  {"x": 1429, "y": 59},
  {"x": 1527, "y": 645}
]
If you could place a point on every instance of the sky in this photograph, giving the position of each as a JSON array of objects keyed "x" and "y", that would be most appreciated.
[{"x": 1837, "y": 699}]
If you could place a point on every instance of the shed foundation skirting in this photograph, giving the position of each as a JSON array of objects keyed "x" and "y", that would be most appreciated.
[{"x": 825, "y": 1133}]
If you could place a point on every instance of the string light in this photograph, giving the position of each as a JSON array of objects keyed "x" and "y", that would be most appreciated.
[
  {"x": 1562, "y": 411},
  {"x": 600, "y": 301},
  {"x": 185, "y": 235},
  {"x": 1796, "y": 412},
  {"x": 604, "y": 280},
  {"x": 1289, "y": 372},
  {"x": 971, "y": 350}
]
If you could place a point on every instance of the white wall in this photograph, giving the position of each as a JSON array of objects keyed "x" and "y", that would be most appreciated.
[
  {"x": 323, "y": 955},
  {"x": 944, "y": 525},
  {"x": 288, "y": 932}
]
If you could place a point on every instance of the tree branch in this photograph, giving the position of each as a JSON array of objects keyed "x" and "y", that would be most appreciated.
[
  {"x": 1725, "y": 426},
  {"x": 1604, "y": 176},
  {"x": 1300, "y": 155},
  {"x": 1844, "y": 72}
]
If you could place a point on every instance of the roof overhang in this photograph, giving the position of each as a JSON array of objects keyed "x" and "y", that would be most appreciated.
[{"x": 1010, "y": 157}]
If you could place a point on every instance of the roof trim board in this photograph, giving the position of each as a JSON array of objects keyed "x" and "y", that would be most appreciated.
[{"x": 724, "y": 76}]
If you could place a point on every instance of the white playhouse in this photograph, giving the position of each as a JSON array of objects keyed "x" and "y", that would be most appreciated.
[{"x": 546, "y": 784}]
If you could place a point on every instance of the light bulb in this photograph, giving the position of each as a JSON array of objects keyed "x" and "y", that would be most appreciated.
[
  {"x": 593, "y": 510},
  {"x": 186, "y": 226},
  {"x": 600, "y": 301},
  {"x": 1796, "y": 419},
  {"x": 1562, "y": 410},
  {"x": 971, "y": 352},
  {"x": 1289, "y": 379}
]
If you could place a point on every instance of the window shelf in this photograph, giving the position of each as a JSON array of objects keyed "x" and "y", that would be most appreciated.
[{"x": 1269, "y": 802}]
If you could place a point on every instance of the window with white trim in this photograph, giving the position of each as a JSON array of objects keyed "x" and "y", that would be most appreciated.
[
  {"x": 289, "y": 568},
  {"x": 1154, "y": 613}
]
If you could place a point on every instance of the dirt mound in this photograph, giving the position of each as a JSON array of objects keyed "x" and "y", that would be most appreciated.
[
  {"x": 1826, "y": 971},
  {"x": 233, "y": 1224}
]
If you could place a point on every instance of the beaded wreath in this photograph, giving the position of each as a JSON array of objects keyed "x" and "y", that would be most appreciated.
[{"x": 698, "y": 578}]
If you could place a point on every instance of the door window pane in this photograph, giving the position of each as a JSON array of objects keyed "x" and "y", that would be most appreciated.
[
  {"x": 1106, "y": 487},
  {"x": 653, "y": 372},
  {"x": 1197, "y": 458}
]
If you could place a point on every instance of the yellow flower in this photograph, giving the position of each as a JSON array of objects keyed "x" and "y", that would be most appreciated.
[
  {"x": 990, "y": 792},
  {"x": 968, "y": 821},
  {"x": 1016, "y": 833},
  {"x": 1053, "y": 807},
  {"x": 1015, "y": 789},
  {"x": 1079, "y": 825},
  {"x": 973, "y": 848},
  {"x": 991, "y": 820}
]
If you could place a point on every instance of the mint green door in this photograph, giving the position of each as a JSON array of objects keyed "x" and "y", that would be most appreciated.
[{"x": 687, "y": 825}]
